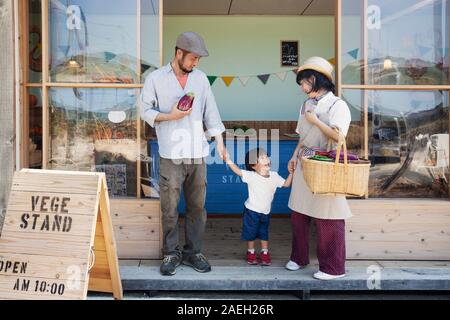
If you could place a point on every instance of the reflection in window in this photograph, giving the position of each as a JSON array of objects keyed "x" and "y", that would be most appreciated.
[
  {"x": 408, "y": 42},
  {"x": 34, "y": 41},
  {"x": 408, "y": 143},
  {"x": 93, "y": 41},
  {"x": 35, "y": 128},
  {"x": 95, "y": 130}
]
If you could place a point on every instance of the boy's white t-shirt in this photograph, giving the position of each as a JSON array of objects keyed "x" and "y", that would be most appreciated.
[{"x": 261, "y": 190}]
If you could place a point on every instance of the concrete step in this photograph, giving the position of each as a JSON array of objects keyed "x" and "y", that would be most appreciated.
[{"x": 368, "y": 275}]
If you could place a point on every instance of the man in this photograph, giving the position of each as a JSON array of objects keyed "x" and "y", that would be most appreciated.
[{"x": 183, "y": 147}]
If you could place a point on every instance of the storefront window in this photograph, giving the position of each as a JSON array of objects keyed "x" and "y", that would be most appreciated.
[
  {"x": 95, "y": 130},
  {"x": 408, "y": 143},
  {"x": 150, "y": 30},
  {"x": 355, "y": 135},
  {"x": 35, "y": 128},
  {"x": 93, "y": 41},
  {"x": 34, "y": 54},
  {"x": 406, "y": 42}
]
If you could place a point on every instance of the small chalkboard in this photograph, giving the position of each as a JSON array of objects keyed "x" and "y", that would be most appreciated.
[{"x": 289, "y": 53}]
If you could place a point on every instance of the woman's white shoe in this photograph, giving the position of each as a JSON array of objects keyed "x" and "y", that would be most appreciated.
[
  {"x": 292, "y": 266},
  {"x": 325, "y": 276}
]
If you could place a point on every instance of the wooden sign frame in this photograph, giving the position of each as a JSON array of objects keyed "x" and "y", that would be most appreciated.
[{"x": 57, "y": 241}]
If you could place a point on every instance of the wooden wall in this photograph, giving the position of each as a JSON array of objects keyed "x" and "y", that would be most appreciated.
[
  {"x": 6, "y": 103},
  {"x": 399, "y": 229},
  {"x": 137, "y": 228}
]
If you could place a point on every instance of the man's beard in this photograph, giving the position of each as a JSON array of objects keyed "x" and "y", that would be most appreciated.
[{"x": 180, "y": 65}]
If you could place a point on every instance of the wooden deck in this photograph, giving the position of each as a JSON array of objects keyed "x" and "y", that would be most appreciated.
[{"x": 226, "y": 252}]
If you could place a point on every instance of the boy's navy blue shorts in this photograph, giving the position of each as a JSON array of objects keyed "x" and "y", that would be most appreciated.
[{"x": 255, "y": 225}]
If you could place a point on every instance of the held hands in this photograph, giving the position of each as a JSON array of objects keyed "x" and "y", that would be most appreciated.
[{"x": 292, "y": 164}]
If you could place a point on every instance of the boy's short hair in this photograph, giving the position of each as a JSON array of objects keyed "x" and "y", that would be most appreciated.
[{"x": 251, "y": 158}]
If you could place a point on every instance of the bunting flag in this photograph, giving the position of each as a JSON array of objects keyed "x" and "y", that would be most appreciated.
[
  {"x": 424, "y": 50},
  {"x": 244, "y": 80},
  {"x": 109, "y": 56},
  {"x": 354, "y": 53},
  {"x": 281, "y": 75},
  {"x": 211, "y": 79},
  {"x": 228, "y": 80},
  {"x": 415, "y": 104},
  {"x": 332, "y": 61},
  {"x": 444, "y": 52},
  {"x": 64, "y": 49},
  {"x": 264, "y": 78}
]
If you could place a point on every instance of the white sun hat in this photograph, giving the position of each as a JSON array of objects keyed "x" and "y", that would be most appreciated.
[{"x": 318, "y": 64}]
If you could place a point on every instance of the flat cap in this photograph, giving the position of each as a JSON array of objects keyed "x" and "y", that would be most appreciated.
[{"x": 192, "y": 42}]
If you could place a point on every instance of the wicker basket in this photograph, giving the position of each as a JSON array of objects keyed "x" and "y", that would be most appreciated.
[{"x": 334, "y": 178}]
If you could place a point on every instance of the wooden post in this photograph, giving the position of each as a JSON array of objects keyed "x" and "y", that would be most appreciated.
[
  {"x": 338, "y": 45},
  {"x": 7, "y": 103},
  {"x": 45, "y": 80},
  {"x": 138, "y": 104}
]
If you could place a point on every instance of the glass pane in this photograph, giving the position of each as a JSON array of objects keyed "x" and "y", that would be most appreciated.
[
  {"x": 35, "y": 128},
  {"x": 408, "y": 143},
  {"x": 93, "y": 41},
  {"x": 95, "y": 130},
  {"x": 150, "y": 36},
  {"x": 351, "y": 41},
  {"x": 34, "y": 41},
  {"x": 408, "y": 42},
  {"x": 355, "y": 136}
]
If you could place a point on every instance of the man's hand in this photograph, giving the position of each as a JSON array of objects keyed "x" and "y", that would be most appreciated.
[
  {"x": 311, "y": 117},
  {"x": 177, "y": 114},
  {"x": 222, "y": 150}
]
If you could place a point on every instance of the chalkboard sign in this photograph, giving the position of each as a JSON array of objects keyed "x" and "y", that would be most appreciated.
[{"x": 289, "y": 53}]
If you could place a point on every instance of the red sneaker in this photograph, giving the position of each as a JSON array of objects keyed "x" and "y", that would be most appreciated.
[
  {"x": 265, "y": 258},
  {"x": 251, "y": 258}
]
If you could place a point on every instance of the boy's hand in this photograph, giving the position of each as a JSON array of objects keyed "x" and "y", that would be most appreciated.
[{"x": 227, "y": 158}]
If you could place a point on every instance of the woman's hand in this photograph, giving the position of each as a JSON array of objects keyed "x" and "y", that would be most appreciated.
[
  {"x": 311, "y": 117},
  {"x": 292, "y": 164}
]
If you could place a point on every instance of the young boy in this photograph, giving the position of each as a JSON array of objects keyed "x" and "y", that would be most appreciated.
[{"x": 262, "y": 185}]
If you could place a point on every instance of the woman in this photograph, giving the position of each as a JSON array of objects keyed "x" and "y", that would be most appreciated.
[{"x": 320, "y": 116}]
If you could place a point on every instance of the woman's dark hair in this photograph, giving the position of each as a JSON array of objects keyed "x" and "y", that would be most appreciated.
[
  {"x": 251, "y": 158},
  {"x": 322, "y": 82}
]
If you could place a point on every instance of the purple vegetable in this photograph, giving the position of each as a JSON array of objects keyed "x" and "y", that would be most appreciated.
[
  {"x": 350, "y": 156},
  {"x": 186, "y": 102}
]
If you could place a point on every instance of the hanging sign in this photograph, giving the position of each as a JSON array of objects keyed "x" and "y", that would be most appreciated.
[{"x": 289, "y": 53}]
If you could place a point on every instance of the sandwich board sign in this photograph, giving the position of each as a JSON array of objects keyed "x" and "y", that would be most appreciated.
[{"x": 57, "y": 241}]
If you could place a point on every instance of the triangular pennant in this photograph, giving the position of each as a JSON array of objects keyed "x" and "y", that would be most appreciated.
[
  {"x": 281, "y": 75},
  {"x": 228, "y": 80},
  {"x": 354, "y": 53},
  {"x": 444, "y": 52},
  {"x": 244, "y": 80},
  {"x": 211, "y": 79},
  {"x": 64, "y": 49},
  {"x": 415, "y": 104},
  {"x": 109, "y": 56},
  {"x": 424, "y": 50},
  {"x": 264, "y": 78},
  {"x": 332, "y": 61}
]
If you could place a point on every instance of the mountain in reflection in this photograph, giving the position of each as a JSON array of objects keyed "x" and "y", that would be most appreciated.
[{"x": 101, "y": 67}]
